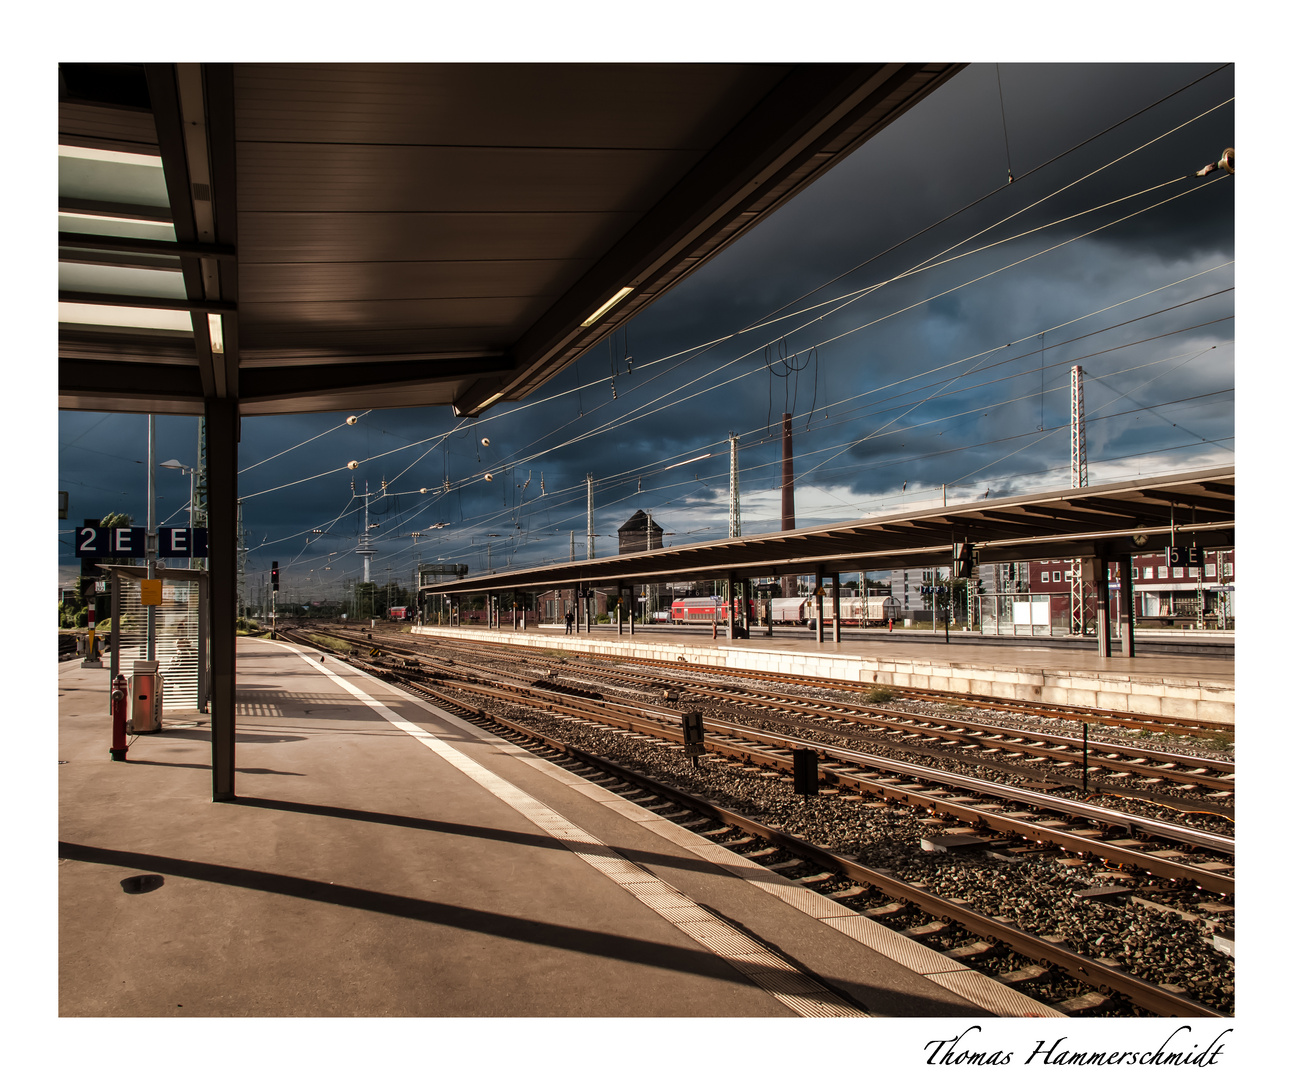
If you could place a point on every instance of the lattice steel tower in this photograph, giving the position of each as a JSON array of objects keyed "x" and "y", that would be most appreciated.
[
  {"x": 1077, "y": 479},
  {"x": 590, "y": 516},
  {"x": 1077, "y": 430},
  {"x": 733, "y": 487},
  {"x": 366, "y": 548}
]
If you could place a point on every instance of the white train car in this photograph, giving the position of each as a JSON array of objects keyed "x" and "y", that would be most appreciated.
[
  {"x": 855, "y": 610},
  {"x": 790, "y": 610}
]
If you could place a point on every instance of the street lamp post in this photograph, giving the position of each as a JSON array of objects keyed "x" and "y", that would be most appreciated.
[{"x": 193, "y": 479}]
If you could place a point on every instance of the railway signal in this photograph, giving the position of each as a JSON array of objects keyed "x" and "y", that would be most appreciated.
[
  {"x": 273, "y": 576},
  {"x": 805, "y": 762},
  {"x": 693, "y": 735}
]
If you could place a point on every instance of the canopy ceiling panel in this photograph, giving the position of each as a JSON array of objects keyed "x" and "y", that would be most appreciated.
[{"x": 370, "y": 235}]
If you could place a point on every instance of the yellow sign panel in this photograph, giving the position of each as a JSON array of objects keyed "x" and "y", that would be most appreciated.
[{"x": 150, "y": 591}]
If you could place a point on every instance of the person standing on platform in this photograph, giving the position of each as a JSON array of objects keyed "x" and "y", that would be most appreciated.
[
  {"x": 891, "y": 624},
  {"x": 570, "y": 621}
]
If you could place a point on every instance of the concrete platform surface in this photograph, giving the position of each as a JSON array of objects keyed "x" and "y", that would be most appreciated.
[
  {"x": 385, "y": 859},
  {"x": 1185, "y": 687}
]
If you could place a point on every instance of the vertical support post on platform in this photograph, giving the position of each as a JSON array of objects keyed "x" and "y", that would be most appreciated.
[
  {"x": 114, "y": 667},
  {"x": 1100, "y": 571},
  {"x": 222, "y": 542},
  {"x": 835, "y": 598},
  {"x": 1126, "y": 605},
  {"x": 819, "y": 605},
  {"x": 204, "y": 620},
  {"x": 731, "y": 605}
]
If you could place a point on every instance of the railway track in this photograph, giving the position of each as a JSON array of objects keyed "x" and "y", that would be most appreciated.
[
  {"x": 1147, "y": 864},
  {"x": 1188, "y": 771},
  {"x": 1038, "y": 817},
  {"x": 1101, "y": 764},
  {"x": 1203, "y": 729}
]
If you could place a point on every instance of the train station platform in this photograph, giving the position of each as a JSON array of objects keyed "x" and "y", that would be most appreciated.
[
  {"x": 383, "y": 858},
  {"x": 1184, "y": 687}
]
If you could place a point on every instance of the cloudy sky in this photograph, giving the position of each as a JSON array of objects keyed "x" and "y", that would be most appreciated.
[{"x": 917, "y": 311}]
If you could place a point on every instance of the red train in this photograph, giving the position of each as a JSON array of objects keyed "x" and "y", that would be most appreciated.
[{"x": 701, "y": 609}]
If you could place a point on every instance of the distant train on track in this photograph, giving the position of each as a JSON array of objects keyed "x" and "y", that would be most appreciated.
[
  {"x": 794, "y": 610},
  {"x": 700, "y": 609},
  {"x": 854, "y": 610}
]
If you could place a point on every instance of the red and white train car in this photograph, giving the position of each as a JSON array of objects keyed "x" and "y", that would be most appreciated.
[{"x": 700, "y": 609}]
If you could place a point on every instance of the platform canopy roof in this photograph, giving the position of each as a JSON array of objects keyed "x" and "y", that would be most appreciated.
[
  {"x": 317, "y": 237},
  {"x": 1194, "y": 509}
]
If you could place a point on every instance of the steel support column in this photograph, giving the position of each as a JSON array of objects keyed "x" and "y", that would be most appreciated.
[
  {"x": 817, "y": 602},
  {"x": 222, "y": 541},
  {"x": 1100, "y": 571},
  {"x": 835, "y": 598},
  {"x": 731, "y": 604},
  {"x": 1126, "y": 605}
]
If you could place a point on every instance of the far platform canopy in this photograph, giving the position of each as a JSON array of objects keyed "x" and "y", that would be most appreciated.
[
  {"x": 1194, "y": 509},
  {"x": 319, "y": 237}
]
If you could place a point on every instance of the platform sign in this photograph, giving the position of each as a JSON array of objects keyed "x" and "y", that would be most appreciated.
[
  {"x": 94, "y": 541},
  {"x": 181, "y": 543},
  {"x": 1184, "y": 556}
]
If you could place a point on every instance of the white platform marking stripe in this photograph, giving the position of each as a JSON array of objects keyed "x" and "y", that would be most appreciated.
[{"x": 765, "y": 969}]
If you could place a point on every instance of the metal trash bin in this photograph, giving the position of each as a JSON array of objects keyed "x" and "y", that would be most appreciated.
[{"x": 145, "y": 698}]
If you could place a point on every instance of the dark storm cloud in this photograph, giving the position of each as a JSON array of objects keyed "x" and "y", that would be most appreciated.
[{"x": 987, "y": 408}]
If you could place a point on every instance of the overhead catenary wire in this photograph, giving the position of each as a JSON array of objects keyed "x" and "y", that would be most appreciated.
[
  {"x": 603, "y": 428},
  {"x": 306, "y": 442},
  {"x": 1069, "y": 322},
  {"x": 705, "y": 346},
  {"x": 622, "y": 421}
]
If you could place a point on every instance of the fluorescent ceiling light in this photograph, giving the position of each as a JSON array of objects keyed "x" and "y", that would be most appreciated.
[
  {"x": 490, "y": 400},
  {"x": 115, "y": 156},
  {"x": 108, "y": 315},
  {"x": 75, "y": 216},
  {"x": 215, "y": 327},
  {"x": 607, "y": 306}
]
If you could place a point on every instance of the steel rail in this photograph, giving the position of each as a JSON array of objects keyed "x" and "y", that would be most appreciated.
[
  {"x": 1062, "y": 748},
  {"x": 954, "y": 807},
  {"x": 1109, "y": 717},
  {"x": 1107, "y": 978},
  {"x": 1004, "y": 823},
  {"x": 1057, "y": 804}
]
